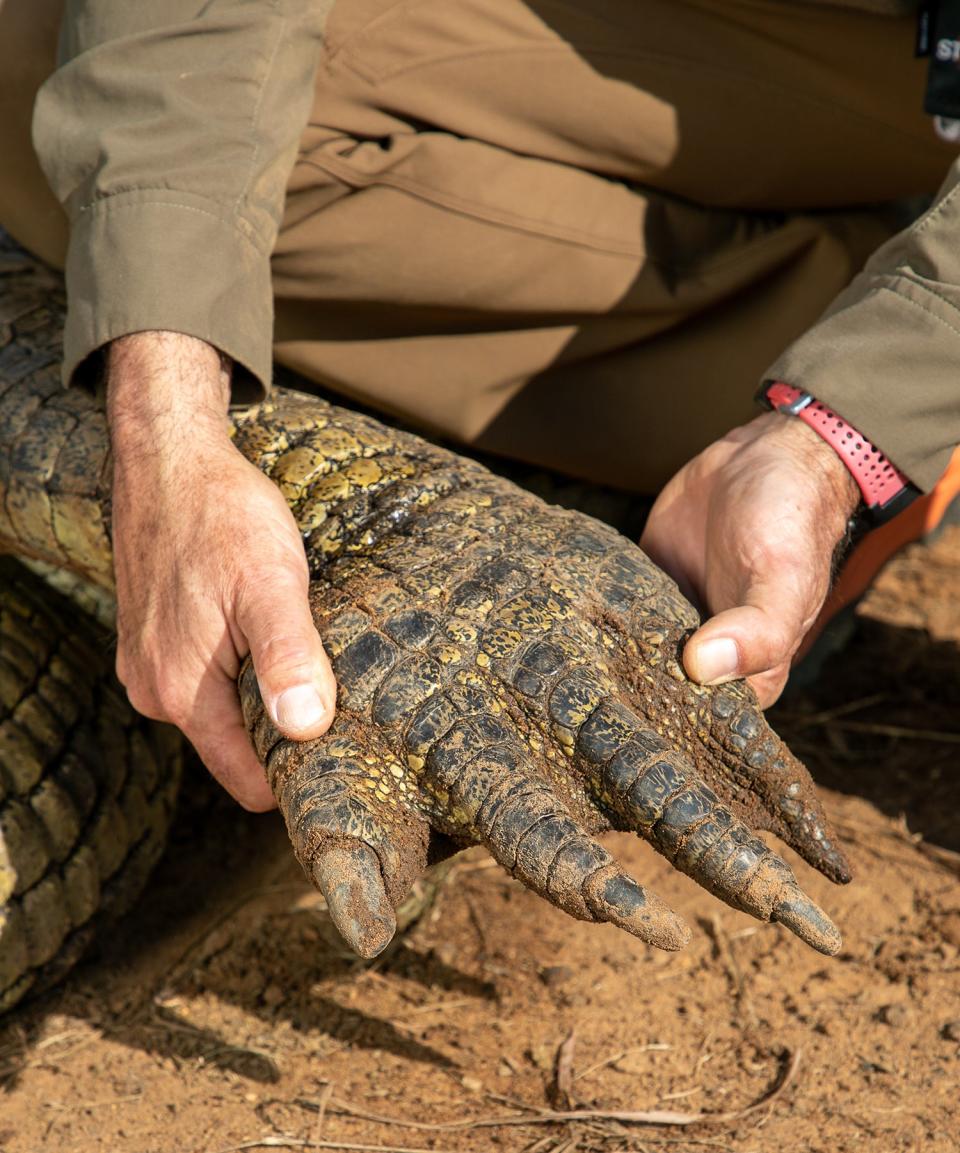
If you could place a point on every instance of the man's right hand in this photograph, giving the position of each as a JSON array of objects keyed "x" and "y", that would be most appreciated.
[{"x": 209, "y": 565}]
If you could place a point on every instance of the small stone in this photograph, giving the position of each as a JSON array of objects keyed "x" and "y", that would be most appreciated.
[
  {"x": 251, "y": 983},
  {"x": 896, "y": 1016},
  {"x": 951, "y": 1031},
  {"x": 445, "y": 954},
  {"x": 273, "y": 995},
  {"x": 553, "y": 976},
  {"x": 949, "y": 926},
  {"x": 472, "y": 1084}
]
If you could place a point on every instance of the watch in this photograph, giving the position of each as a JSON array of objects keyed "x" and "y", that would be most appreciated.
[{"x": 884, "y": 489}]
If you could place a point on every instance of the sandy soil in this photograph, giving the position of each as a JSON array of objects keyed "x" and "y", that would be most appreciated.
[{"x": 222, "y": 1015}]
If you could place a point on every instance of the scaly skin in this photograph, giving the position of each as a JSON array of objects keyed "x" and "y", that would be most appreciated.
[
  {"x": 87, "y": 786},
  {"x": 509, "y": 673}
]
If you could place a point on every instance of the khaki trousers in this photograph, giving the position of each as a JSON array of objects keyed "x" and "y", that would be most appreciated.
[{"x": 573, "y": 233}]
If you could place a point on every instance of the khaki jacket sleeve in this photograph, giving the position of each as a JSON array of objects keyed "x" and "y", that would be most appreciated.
[
  {"x": 168, "y": 132},
  {"x": 886, "y": 354}
]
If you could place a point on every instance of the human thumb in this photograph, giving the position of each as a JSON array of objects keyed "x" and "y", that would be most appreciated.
[{"x": 293, "y": 671}]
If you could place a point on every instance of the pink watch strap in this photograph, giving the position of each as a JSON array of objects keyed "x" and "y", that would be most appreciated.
[{"x": 879, "y": 481}]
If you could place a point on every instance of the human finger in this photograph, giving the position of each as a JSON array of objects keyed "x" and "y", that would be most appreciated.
[
  {"x": 225, "y": 749},
  {"x": 748, "y": 641},
  {"x": 293, "y": 671},
  {"x": 769, "y": 685}
]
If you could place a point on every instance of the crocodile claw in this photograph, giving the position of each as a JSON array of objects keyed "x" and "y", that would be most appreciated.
[
  {"x": 810, "y": 923},
  {"x": 349, "y": 878},
  {"x": 509, "y": 675}
]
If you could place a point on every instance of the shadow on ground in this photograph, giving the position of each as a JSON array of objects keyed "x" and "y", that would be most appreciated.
[
  {"x": 882, "y": 722},
  {"x": 179, "y": 943}
]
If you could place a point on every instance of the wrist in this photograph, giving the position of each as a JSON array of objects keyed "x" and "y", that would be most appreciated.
[
  {"x": 165, "y": 387},
  {"x": 824, "y": 467},
  {"x": 883, "y": 490}
]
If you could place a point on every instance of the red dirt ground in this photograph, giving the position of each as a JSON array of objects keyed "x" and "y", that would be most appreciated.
[{"x": 222, "y": 1015}]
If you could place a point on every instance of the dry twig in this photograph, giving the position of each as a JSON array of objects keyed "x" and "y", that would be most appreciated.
[
  {"x": 619, "y": 1056},
  {"x": 902, "y": 732},
  {"x": 554, "y": 1117},
  {"x": 345, "y": 1147},
  {"x": 563, "y": 1072},
  {"x": 607, "y": 1061},
  {"x": 325, "y": 1094},
  {"x": 825, "y": 716}
]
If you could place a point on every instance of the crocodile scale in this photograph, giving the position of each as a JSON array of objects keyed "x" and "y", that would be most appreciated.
[{"x": 508, "y": 671}]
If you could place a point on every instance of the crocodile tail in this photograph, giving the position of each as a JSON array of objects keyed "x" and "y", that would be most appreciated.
[{"x": 53, "y": 441}]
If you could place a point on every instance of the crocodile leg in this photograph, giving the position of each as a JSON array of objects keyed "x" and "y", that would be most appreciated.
[{"x": 509, "y": 673}]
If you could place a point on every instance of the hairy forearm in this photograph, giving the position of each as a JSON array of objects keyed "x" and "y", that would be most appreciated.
[
  {"x": 164, "y": 388},
  {"x": 841, "y": 495}
]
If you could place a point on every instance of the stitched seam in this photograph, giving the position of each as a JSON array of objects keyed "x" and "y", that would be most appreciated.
[
  {"x": 343, "y": 46},
  {"x": 935, "y": 211},
  {"x": 910, "y": 277},
  {"x": 258, "y": 107},
  {"x": 241, "y": 226},
  {"x": 922, "y": 307},
  {"x": 467, "y": 208},
  {"x": 563, "y": 234}
]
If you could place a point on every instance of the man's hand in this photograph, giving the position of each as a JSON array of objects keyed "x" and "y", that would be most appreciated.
[
  {"x": 209, "y": 565},
  {"x": 748, "y": 529}
]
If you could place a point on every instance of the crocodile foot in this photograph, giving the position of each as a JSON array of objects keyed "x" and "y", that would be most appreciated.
[{"x": 510, "y": 676}]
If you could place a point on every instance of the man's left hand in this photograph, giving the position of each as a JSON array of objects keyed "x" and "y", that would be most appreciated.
[{"x": 749, "y": 529}]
